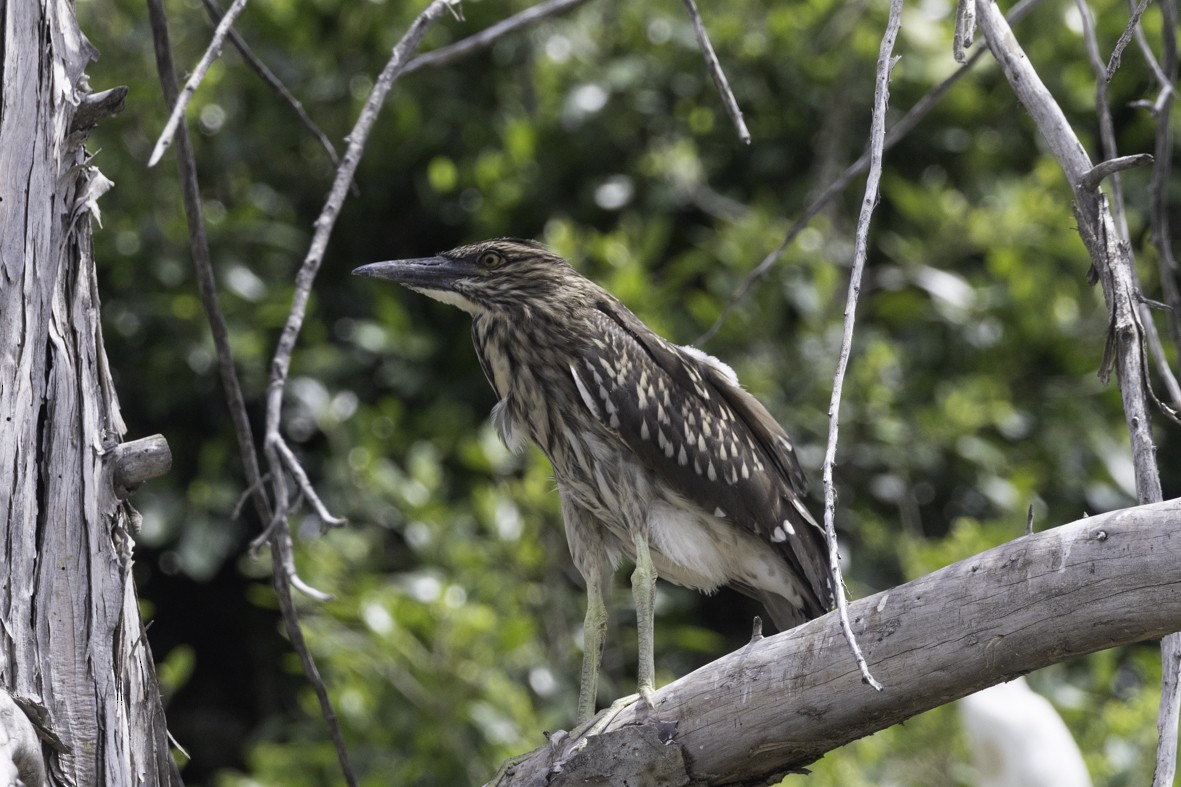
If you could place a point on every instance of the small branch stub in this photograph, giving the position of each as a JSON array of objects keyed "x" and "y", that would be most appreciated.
[
  {"x": 1094, "y": 176},
  {"x": 139, "y": 461},
  {"x": 96, "y": 106}
]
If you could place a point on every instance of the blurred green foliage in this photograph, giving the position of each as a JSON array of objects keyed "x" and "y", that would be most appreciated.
[{"x": 453, "y": 639}]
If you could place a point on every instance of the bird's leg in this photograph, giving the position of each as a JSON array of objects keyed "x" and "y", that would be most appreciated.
[
  {"x": 644, "y": 593},
  {"x": 594, "y": 630}
]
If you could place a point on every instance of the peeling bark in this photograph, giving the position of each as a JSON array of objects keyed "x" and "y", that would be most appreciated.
[{"x": 72, "y": 650}]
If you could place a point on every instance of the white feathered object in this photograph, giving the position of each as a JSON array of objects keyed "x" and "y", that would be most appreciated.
[{"x": 1018, "y": 739}]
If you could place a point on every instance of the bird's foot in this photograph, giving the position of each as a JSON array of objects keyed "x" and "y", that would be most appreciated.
[{"x": 598, "y": 723}]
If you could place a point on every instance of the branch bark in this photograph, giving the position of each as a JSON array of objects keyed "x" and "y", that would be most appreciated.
[{"x": 780, "y": 703}]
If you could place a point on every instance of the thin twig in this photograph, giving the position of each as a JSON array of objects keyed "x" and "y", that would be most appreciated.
[
  {"x": 715, "y": 71},
  {"x": 1150, "y": 58},
  {"x": 876, "y": 145},
  {"x": 1125, "y": 37},
  {"x": 280, "y": 553},
  {"x": 281, "y": 545},
  {"x": 487, "y": 37},
  {"x": 304, "y": 278},
  {"x": 246, "y": 495},
  {"x": 211, "y": 53},
  {"x": 897, "y": 132},
  {"x": 1111, "y": 167},
  {"x": 203, "y": 265},
  {"x": 1092, "y": 179},
  {"x": 272, "y": 80},
  {"x": 207, "y": 287},
  {"x": 1165, "y": 767},
  {"x": 305, "y": 486},
  {"x": 1153, "y": 352},
  {"x": 965, "y": 29},
  {"x": 1166, "y": 71},
  {"x": 1109, "y": 258}
]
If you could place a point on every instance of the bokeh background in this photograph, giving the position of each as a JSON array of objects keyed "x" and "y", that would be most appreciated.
[{"x": 453, "y": 639}]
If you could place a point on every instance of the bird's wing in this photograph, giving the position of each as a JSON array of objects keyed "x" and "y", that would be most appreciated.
[{"x": 683, "y": 414}]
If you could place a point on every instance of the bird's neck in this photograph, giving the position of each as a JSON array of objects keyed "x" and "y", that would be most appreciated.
[{"x": 526, "y": 359}]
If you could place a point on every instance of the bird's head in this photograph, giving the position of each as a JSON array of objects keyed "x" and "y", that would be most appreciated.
[{"x": 502, "y": 276}]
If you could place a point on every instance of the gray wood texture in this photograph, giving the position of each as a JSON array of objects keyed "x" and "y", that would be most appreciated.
[
  {"x": 72, "y": 649},
  {"x": 782, "y": 702}
]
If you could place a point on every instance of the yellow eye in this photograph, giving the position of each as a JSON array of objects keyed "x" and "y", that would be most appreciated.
[{"x": 491, "y": 259}]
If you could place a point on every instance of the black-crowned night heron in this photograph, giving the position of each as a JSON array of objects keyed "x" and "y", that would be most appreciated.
[{"x": 659, "y": 455}]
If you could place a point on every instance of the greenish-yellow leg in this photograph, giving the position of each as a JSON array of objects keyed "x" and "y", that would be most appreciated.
[
  {"x": 644, "y": 593},
  {"x": 594, "y": 630}
]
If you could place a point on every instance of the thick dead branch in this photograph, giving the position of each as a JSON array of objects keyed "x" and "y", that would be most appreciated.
[{"x": 781, "y": 702}]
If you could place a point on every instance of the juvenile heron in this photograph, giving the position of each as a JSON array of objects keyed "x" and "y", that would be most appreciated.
[{"x": 659, "y": 455}]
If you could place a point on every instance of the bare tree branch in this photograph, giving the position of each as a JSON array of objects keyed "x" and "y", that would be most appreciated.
[
  {"x": 203, "y": 266},
  {"x": 281, "y": 362},
  {"x": 1165, "y": 768},
  {"x": 877, "y": 136},
  {"x": 1162, "y": 109},
  {"x": 1116, "y": 54},
  {"x": 900, "y": 129},
  {"x": 207, "y": 287},
  {"x": 781, "y": 702},
  {"x": 1157, "y": 351},
  {"x": 1111, "y": 167},
  {"x": 212, "y": 52},
  {"x": 1110, "y": 259},
  {"x": 965, "y": 29},
  {"x": 447, "y": 55},
  {"x": 255, "y": 63},
  {"x": 305, "y": 486},
  {"x": 1150, "y": 57},
  {"x": 715, "y": 71}
]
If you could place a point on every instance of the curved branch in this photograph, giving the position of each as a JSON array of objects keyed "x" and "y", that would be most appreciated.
[{"x": 781, "y": 702}]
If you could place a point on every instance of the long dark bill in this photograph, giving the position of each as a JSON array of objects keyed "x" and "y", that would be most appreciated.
[{"x": 423, "y": 271}]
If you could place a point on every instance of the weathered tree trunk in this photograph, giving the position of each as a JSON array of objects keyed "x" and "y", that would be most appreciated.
[{"x": 72, "y": 648}]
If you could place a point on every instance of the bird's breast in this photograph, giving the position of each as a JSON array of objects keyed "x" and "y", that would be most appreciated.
[{"x": 524, "y": 365}]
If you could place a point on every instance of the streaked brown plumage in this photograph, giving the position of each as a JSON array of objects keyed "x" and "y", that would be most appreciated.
[{"x": 659, "y": 455}]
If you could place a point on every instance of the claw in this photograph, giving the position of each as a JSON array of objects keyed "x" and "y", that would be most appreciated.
[{"x": 600, "y": 722}]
